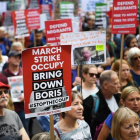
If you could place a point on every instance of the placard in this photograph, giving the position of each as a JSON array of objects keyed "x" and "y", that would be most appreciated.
[
  {"x": 7, "y": 18},
  {"x": 47, "y": 80},
  {"x": 54, "y": 28},
  {"x": 87, "y": 47},
  {"x": 124, "y": 17},
  {"x": 16, "y": 84}
]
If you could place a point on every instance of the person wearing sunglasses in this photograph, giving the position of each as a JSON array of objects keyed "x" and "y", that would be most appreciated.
[
  {"x": 108, "y": 96},
  {"x": 134, "y": 62},
  {"x": 10, "y": 123},
  {"x": 88, "y": 88}
]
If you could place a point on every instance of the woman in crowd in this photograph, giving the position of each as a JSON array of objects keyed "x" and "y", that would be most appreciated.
[
  {"x": 89, "y": 87},
  {"x": 126, "y": 77},
  {"x": 71, "y": 127},
  {"x": 125, "y": 53},
  {"x": 134, "y": 62},
  {"x": 130, "y": 98},
  {"x": 43, "y": 136},
  {"x": 125, "y": 125},
  {"x": 131, "y": 41}
]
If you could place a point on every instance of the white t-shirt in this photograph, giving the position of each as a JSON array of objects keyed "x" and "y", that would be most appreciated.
[
  {"x": 112, "y": 104},
  {"x": 86, "y": 92}
]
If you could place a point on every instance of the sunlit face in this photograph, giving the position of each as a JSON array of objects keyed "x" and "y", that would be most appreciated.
[
  {"x": 4, "y": 97},
  {"x": 18, "y": 49},
  {"x": 133, "y": 43},
  {"x": 86, "y": 54},
  {"x": 136, "y": 60},
  {"x": 76, "y": 108},
  {"x": 132, "y": 101},
  {"x": 113, "y": 85},
  {"x": 90, "y": 77},
  {"x": 130, "y": 129},
  {"x": 125, "y": 72}
]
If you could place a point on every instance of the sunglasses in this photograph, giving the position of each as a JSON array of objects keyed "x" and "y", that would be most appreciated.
[
  {"x": 136, "y": 58},
  {"x": 5, "y": 91},
  {"x": 92, "y": 74}
]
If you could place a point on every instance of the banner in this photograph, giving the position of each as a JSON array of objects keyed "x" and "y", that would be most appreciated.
[
  {"x": 66, "y": 10},
  {"x": 124, "y": 17},
  {"x": 33, "y": 4},
  {"x": 100, "y": 15},
  {"x": 89, "y": 5},
  {"x": 20, "y": 23},
  {"x": 54, "y": 28},
  {"x": 7, "y": 18},
  {"x": 14, "y": 5},
  {"x": 47, "y": 80},
  {"x": 87, "y": 47},
  {"x": 16, "y": 84},
  {"x": 33, "y": 19}
]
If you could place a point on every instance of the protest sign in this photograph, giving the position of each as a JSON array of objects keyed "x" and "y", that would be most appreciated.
[
  {"x": 100, "y": 15},
  {"x": 13, "y": 5},
  {"x": 47, "y": 80},
  {"x": 109, "y": 4},
  {"x": 66, "y": 10},
  {"x": 124, "y": 17},
  {"x": 3, "y": 7},
  {"x": 33, "y": 19},
  {"x": 54, "y": 28},
  {"x": 20, "y": 23},
  {"x": 7, "y": 18},
  {"x": 16, "y": 84},
  {"x": 33, "y": 4},
  {"x": 89, "y": 5},
  {"x": 87, "y": 47}
]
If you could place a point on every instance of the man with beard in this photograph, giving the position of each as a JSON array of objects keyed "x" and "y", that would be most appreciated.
[{"x": 10, "y": 123}]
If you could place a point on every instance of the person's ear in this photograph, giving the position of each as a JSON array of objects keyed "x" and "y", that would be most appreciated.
[
  {"x": 105, "y": 85},
  {"x": 122, "y": 102}
]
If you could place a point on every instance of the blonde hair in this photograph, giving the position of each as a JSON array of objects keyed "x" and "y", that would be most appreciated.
[
  {"x": 43, "y": 136},
  {"x": 122, "y": 115},
  {"x": 16, "y": 44}
]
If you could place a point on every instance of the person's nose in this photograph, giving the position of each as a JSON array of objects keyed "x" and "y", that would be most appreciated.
[
  {"x": 134, "y": 129},
  {"x": 135, "y": 102},
  {"x": 80, "y": 106}
]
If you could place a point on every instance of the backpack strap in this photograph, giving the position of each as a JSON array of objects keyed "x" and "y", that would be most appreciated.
[
  {"x": 4, "y": 73},
  {"x": 57, "y": 132}
]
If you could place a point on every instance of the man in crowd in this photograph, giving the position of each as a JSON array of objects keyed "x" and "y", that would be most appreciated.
[
  {"x": 109, "y": 97},
  {"x": 10, "y": 123},
  {"x": 14, "y": 69}
]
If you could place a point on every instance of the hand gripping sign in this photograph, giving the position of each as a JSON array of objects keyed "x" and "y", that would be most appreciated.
[{"x": 47, "y": 80}]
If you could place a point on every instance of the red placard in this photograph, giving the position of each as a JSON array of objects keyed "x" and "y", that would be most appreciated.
[
  {"x": 20, "y": 23},
  {"x": 124, "y": 16},
  {"x": 47, "y": 80},
  {"x": 33, "y": 19},
  {"x": 54, "y": 28}
]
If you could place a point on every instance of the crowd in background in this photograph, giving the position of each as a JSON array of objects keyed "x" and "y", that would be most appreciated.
[{"x": 102, "y": 80}]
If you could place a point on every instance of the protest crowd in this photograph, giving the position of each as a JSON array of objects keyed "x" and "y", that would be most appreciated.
[{"x": 77, "y": 62}]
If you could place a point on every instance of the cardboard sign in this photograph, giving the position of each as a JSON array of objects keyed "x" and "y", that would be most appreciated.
[
  {"x": 124, "y": 17},
  {"x": 16, "y": 83},
  {"x": 87, "y": 47},
  {"x": 47, "y": 80},
  {"x": 54, "y": 28},
  {"x": 33, "y": 19},
  {"x": 20, "y": 23},
  {"x": 100, "y": 15},
  {"x": 7, "y": 18}
]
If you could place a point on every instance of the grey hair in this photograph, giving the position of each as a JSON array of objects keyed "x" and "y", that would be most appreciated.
[
  {"x": 131, "y": 53},
  {"x": 16, "y": 44},
  {"x": 106, "y": 76}
]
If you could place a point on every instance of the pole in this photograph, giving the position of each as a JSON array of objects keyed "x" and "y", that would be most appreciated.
[
  {"x": 51, "y": 127},
  {"x": 121, "y": 56},
  {"x": 34, "y": 39}
]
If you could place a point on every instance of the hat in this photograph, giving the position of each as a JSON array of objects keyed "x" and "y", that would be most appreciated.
[
  {"x": 2, "y": 85},
  {"x": 14, "y": 53}
]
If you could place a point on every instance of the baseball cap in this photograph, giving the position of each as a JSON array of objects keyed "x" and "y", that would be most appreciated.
[
  {"x": 2, "y": 85},
  {"x": 14, "y": 53}
]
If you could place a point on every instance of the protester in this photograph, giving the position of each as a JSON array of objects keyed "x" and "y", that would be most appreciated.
[
  {"x": 134, "y": 62},
  {"x": 131, "y": 41},
  {"x": 109, "y": 97},
  {"x": 10, "y": 123},
  {"x": 14, "y": 69},
  {"x": 16, "y": 46},
  {"x": 43, "y": 136},
  {"x": 125, "y": 54},
  {"x": 126, "y": 77},
  {"x": 89, "y": 87},
  {"x": 125, "y": 125},
  {"x": 130, "y": 97},
  {"x": 70, "y": 126}
]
